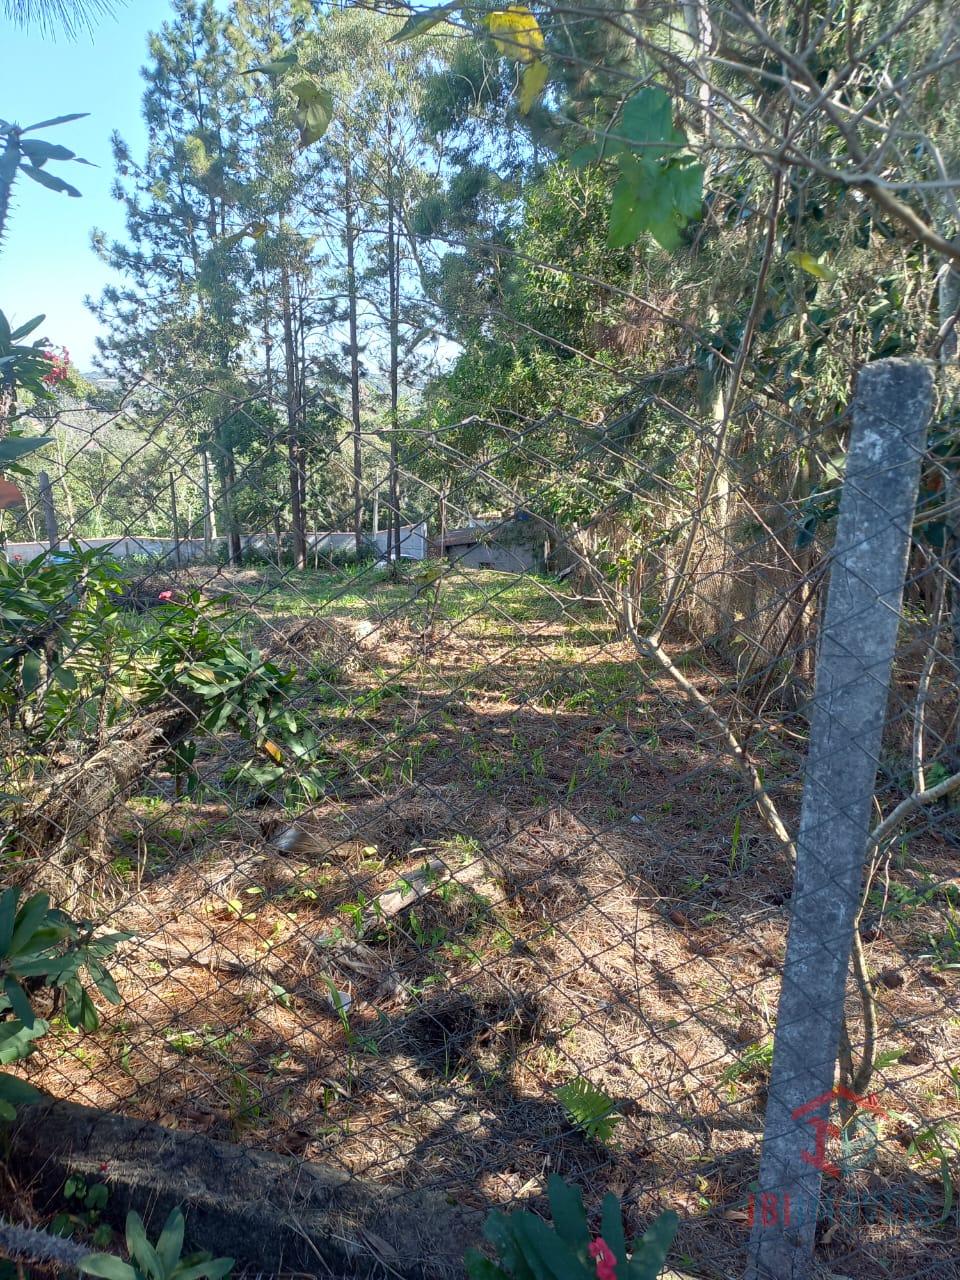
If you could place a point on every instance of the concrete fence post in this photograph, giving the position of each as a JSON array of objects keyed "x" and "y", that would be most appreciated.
[{"x": 891, "y": 410}]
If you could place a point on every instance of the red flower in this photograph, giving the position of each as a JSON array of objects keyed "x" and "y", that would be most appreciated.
[
  {"x": 59, "y": 369},
  {"x": 602, "y": 1255},
  {"x": 165, "y": 595}
]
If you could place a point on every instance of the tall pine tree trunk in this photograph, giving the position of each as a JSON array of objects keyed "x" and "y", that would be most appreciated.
[
  {"x": 351, "y": 239},
  {"x": 393, "y": 274},
  {"x": 294, "y": 437}
]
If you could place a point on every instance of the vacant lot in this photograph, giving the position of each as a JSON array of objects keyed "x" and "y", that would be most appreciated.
[{"x": 529, "y": 865}]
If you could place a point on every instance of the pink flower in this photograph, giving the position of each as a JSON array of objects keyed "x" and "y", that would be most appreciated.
[
  {"x": 602, "y": 1255},
  {"x": 165, "y": 595},
  {"x": 59, "y": 369}
]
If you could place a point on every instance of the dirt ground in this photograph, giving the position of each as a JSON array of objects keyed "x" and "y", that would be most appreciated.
[{"x": 530, "y": 864}]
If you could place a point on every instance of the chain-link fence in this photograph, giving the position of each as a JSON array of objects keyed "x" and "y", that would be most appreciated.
[{"x": 438, "y": 874}]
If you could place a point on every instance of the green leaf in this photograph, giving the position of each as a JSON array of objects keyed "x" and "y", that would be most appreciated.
[
  {"x": 419, "y": 23},
  {"x": 589, "y": 1108},
  {"x": 589, "y": 153},
  {"x": 569, "y": 1215},
  {"x": 19, "y": 447},
  {"x": 30, "y": 672},
  {"x": 26, "y": 329},
  {"x": 170, "y": 1244},
  {"x": 73, "y": 1001},
  {"x": 685, "y": 182},
  {"x": 64, "y": 677},
  {"x": 17, "y": 1092},
  {"x": 107, "y": 1266},
  {"x": 314, "y": 110},
  {"x": 547, "y": 1254},
  {"x": 140, "y": 1248},
  {"x": 19, "y": 1003},
  {"x": 276, "y": 66},
  {"x": 626, "y": 223},
  {"x": 104, "y": 982},
  {"x": 212, "y": 1270},
  {"x": 29, "y": 918},
  {"x": 48, "y": 124},
  {"x": 499, "y": 1230},
  {"x": 89, "y": 1018},
  {"x": 8, "y": 914},
  {"x": 39, "y": 152},
  {"x": 647, "y": 124},
  {"x": 49, "y": 180},
  {"x": 650, "y": 1252},
  {"x": 480, "y": 1267},
  {"x": 611, "y": 1229},
  {"x": 15, "y": 1039}
]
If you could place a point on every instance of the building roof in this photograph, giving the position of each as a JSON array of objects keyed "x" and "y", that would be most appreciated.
[{"x": 464, "y": 537}]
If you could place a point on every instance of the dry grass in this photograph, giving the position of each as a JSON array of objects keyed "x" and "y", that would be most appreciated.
[{"x": 600, "y": 900}]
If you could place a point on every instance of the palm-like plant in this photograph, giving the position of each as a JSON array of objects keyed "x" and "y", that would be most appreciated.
[{"x": 69, "y": 16}]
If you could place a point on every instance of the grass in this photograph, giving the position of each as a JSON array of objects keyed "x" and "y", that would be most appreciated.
[{"x": 612, "y": 912}]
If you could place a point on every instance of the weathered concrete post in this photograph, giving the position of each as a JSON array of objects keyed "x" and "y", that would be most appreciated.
[
  {"x": 891, "y": 410},
  {"x": 49, "y": 510}
]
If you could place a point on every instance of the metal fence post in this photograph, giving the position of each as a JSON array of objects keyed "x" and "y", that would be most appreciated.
[{"x": 891, "y": 410}]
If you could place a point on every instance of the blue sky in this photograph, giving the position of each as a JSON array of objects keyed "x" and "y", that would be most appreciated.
[{"x": 46, "y": 263}]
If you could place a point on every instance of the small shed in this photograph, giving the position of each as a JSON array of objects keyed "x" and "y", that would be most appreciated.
[{"x": 514, "y": 545}]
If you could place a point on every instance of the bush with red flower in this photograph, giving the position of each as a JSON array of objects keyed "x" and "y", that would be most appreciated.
[{"x": 58, "y": 367}]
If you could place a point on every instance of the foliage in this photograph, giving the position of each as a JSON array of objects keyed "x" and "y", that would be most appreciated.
[
  {"x": 30, "y": 156},
  {"x": 529, "y": 1249},
  {"x": 660, "y": 188},
  {"x": 50, "y": 608},
  {"x": 42, "y": 947},
  {"x": 162, "y": 1261},
  {"x": 590, "y": 1109},
  {"x": 69, "y": 15}
]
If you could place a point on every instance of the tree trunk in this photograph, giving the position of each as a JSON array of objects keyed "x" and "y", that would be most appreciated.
[
  {"x": 351, "y": 239},
  {"x": 393, "y": 280},
  {"x": 294, "y": 441},
  {"x": 209, "y": 511}
]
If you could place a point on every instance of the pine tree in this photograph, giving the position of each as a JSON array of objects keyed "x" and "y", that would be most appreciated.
[{"x": 180, "y": 314}]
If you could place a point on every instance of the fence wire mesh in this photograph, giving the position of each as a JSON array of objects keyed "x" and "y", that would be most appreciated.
[
  {"x": 448, "y": 789},
  {"x": 452, "y": 872}
]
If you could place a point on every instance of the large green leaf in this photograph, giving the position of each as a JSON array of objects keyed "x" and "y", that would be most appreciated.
[
  {"x": 647, "y": 124},
  {"x": 19, "y": 1003},
  {"x": 650, "y": 1252},
  {"x": 49, "y": 180},
  {"x": 16, "y": 1092},
  {"x": 48, "y": 124},
  {"x": 569, "y": 1215},
  {"x": 499, "y": 1230},
  {"x": 26, "y": 329},
  {"x": 8, "y": 914},
  {"x": 314, "y": 110},
  {"x": 39, "y": 152},
  {"x": 170, "y": 1243},
  {"x": 29, "y": 918},
  {"x": 140, "y": 1248},
  {"x": 15, "y": 1039},
  {"x": 107, "y": 1266},
  {"x": 19, "y": 447},
  {"x": 480, "y": 1267},
  {"x": 276, "y": 66},
  {"x": 611, "y": 1230},
  {"x": 212, "y": 1270},
  {"x": 419, "y": 23}
]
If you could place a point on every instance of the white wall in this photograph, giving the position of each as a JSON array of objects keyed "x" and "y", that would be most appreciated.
[{"x": 413, "y": 545}]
